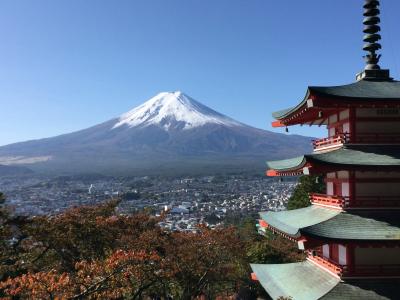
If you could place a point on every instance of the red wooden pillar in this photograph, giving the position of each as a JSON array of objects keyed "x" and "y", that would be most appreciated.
[{"x": 352, "y": 121}]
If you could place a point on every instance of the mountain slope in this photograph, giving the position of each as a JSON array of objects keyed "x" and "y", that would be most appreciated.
[{"x": 169, "y": 131}]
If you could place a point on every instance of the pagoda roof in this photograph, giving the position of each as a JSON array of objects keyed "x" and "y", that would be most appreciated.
[
  {"x": 360, "y": 91},
  {"x": 348, "y": 155},
  {"x": 305, "y": 280},
  {"x": 366, "y": 289},
  {"x": 291, "y": 221},
  {"x": 302, "y": 280},
  {"x": 327, "y": 223}
]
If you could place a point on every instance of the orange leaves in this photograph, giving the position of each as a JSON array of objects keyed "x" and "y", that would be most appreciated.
[
  {"x": 41, "y": 285},
  {"x": 122, "y": 272},
  {"x": 94, "y": 253}
]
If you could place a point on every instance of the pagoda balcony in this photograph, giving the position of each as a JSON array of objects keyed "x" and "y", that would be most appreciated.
[
  {"x": 329, "y": 143},
  {"x": 357, "y": 202},
  {"x": 335, "y": 142},
  {"x": 362, "y": 270},
  {"x": 328, "y": 200},
  {"x": 325, "y": 263}
]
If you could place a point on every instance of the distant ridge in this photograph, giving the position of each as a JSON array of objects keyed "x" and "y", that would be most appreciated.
[
  {"x": 169, "y": 132},
  {"x": 14, "y": 171}
]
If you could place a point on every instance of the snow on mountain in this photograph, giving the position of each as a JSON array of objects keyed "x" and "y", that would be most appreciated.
[{"x": 168, "y": 109}]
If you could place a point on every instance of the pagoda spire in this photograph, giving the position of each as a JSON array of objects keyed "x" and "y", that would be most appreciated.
[
  {"x": 372, "y": 36},
  {"x": 371, "y": 21}
]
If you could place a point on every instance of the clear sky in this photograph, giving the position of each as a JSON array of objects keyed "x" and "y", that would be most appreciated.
[{"x": 69, "y": 64}]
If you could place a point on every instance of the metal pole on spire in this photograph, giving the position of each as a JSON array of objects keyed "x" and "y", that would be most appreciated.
[
  {"x": 372, "y": 36},
  {"x": 371, "y": 21}
]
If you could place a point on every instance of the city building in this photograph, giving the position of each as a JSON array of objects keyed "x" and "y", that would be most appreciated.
[{"x": 351, "y": 234}]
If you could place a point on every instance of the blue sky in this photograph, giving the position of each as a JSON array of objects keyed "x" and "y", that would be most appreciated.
[{"x": 67, "y": 65}]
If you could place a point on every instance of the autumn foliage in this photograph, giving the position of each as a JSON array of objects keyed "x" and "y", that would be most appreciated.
[{"x": 91, "y": 252}]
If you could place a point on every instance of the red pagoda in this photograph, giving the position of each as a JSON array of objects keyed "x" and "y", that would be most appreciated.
[{"x": 351, "y": 234}]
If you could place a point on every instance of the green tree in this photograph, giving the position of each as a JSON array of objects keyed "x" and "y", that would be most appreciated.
[
  {"x": 307, "y": 184},
  {"x": 5, "y": 236},
  {"x": 10, "y": 242},
  {"x": 130, "y": 196}
]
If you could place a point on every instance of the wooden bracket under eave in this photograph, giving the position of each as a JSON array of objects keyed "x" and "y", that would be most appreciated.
[
  {"x": 272, "y": 173},
  {"x": 277, "y": 124},
  {"x": 254, "y": 277}
]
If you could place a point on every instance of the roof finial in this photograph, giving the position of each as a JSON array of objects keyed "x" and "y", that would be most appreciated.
[
  {"x": 372, "y": 71},
  {"x": 372, "y": 36}
]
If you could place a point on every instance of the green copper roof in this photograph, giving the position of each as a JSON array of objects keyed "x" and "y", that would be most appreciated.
[
  {"x": 280, "y": 114},
  {"x": 301, "y": 281},
  {"x": 304, "y": 280},
  {"x": 363, "y": 90},
  {"x": 291, "y": 221},
  {"x": 348, "y": 155},
  {"x": 358, "y": 225},
  {"x": 287, "y": 163},
  {"x": 335, "y": 224},
  {"x": 366, "y": 289}
]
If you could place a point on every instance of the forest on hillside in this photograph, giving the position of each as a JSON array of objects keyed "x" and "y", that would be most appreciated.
[{"x": 91, "y": 252}]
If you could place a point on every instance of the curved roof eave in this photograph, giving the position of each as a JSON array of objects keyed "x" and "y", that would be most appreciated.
[
  {"x": 281, "y": 114},
  {"x": 359, "y": 226},
  {"x": 359, "y": 155},
  {"x": 361, "y": 90},
  {"x": 302, "y": 280},
  {"x": 292, "y": 221},
  {"x": 305, "y": 280},
  {"x": 348, "y": 155},
  {"x": 287, "y": 164},
  {"x": 328, "y": 223}
]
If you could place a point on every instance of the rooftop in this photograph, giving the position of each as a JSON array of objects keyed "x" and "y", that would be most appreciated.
[
  {"x": 304, "y": 280},
  {"x": 358, "y": 92},
  {"x": 301, "y": 280},
  {"x": 368, "y": 156},
  {"x": 334, "y": 224}
]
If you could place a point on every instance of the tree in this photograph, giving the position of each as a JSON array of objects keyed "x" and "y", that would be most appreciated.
[
  {"x": 11, "y": 239},
  {"x": 207, "y": 262},
  {"x": 273, "y": 249},
  {"x": 91, "y": 252},
  {"x": 5, "y": 235},
  {"x": 307, "y": 184},
  {"x": 83, "y": 233},
  {"x": 130, "y": 196},
  {"x": 123, "y": 273}
]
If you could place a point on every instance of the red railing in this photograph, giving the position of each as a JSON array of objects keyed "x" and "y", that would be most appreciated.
[
  {"x": 324, "y": 199},
  {"x": 325, "y": 263},
  {"x": 343, "y": 138},
  {"x": 357, "y": 202},
  {"x": 330, "y": 142},
  {"x": 354, "y": 270}
]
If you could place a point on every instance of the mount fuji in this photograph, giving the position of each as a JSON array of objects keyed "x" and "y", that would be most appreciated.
[{"x": 170, "y": 132}]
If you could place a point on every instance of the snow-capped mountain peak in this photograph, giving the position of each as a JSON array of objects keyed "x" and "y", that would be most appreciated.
[{"x": 171, "y": 108}]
